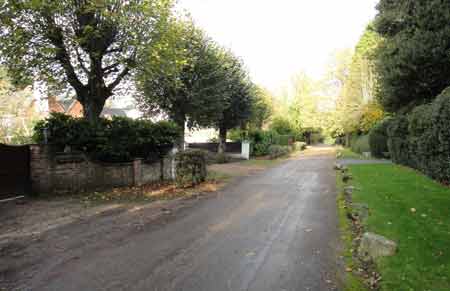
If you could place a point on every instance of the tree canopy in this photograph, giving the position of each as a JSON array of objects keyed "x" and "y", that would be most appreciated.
[
  {"x": 191, "y": 92},
  {"x": 412, "y": 60},
  {"x": 93, "y": 46}
]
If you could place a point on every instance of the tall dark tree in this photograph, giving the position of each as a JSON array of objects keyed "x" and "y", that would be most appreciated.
[
  {"x": 91, "y": 45},
  {"x": 238, "y": 99},
  {"x": 413, "y": 61},
  {"x": 191, "y": 89}
]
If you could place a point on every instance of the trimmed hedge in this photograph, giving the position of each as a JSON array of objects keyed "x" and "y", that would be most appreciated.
[
  {"x": 117, "y": 140},
  {"x": 191, "y": 167},
  {"x": 378, "y": 139},
  {"x": 421, "y": 139},
  {"x": 360, "y": 144},
  {"x": 278, "y": 151}
]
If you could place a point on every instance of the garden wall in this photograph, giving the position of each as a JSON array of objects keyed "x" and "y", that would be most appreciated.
[{"x": 56, "y": 172}]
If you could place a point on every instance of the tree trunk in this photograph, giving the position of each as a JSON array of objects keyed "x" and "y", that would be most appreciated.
[
  {"x": 222, "y": 140},
  {"x": 347, "y": 140},
  {"x": 180, "y": 120},
  {"x": 93, "y": 107}
]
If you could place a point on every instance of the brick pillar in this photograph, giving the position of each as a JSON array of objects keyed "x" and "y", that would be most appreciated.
[
  {"x": 40, "y": 165},
  {"x": 137, "y": 172}
]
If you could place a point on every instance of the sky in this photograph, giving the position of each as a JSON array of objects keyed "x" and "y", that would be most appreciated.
[{"x": 279, "y": 38}]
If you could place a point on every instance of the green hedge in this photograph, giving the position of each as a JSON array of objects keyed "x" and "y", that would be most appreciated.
[
  {"x": 378, "y": 139},
  {"x": 360, "y": 144},
  {"x": 117, "y": 140},
  {"x": 421, "y": 139},
  {"x": 191, "y": 167},
  {"x": 278, "y": 151}
]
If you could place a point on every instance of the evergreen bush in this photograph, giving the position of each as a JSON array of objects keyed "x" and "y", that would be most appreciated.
[
  {"x": 191, "y": 167},
  {"x": 378, "y": 139},
  {"x": 421, "y": 139},
  {"x": 278, "y": 151},
  {"x": 117, "y": 140},
  {"x": 360, "y": 144}
]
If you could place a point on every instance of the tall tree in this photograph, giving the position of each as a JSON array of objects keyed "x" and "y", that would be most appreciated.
[
  {"x": 91, "y": 45},
  {"x": 413, "y": 59},
  {"x": 262, "y": 108},
  {"x": 238, "y": 98},
  {"x": 190, "y": 91}
]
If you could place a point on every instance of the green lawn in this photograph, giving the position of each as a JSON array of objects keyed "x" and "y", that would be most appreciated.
[{"x": 414, "y": 211}]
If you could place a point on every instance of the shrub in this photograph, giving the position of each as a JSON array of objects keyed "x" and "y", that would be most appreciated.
[
  {"x": 378, "y": 139},
  {"x": 222, "y": 159},
  {"x": 397, "y": 131},
  {"x": 421, "y": 139},
  {"x": 361, "y": 144},
  {"x": 117, "y": 140},
  {"x": 277, "y": 151},
  {"x": 282, "y": 126},
  {"x": 261, "y": 141},
  {"x": 191, "y": 167}
]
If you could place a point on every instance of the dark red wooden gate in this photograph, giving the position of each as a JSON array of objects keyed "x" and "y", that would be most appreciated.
[{"x": 14, "y": 171}]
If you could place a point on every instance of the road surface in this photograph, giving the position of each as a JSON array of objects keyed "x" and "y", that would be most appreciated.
[{"x": 274, "y": 230}]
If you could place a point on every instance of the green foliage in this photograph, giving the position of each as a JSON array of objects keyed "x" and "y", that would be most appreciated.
[
  {"x": 191, "y": 167},
  {"x": 193, "y": 90},
  {"x": 378, "y": 139},
  {"x": 361, "y": 144},
  {"x": 92, "y": 46},
  {"x": 278, "y": 151},
  {"x": 412, "y": 60},
  {"x": 261, "y": 141},
  {"x": 282, "y": 125},
  {"x": 421, "y": 139},
  {"x": 222, "y": 159},
  {"x": 238, "y": 96},
  {"x": 117, "y": 140},
  {"x": 357, "y": 108},
  {"x": 262, "y": 108}
]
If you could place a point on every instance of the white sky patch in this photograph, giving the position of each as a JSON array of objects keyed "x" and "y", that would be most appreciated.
[{"x": 278, "y": 38}]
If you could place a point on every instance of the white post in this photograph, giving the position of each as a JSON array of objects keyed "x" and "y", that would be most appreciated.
[
  {"x": 245, "y": 151},
  {"x": 172, "y": 156}
]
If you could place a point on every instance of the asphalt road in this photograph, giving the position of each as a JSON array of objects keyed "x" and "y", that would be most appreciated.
[{"x": 275, "y": 230}]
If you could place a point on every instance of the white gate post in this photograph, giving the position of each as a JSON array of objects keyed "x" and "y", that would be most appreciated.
[{"x": 245, "y": 151}]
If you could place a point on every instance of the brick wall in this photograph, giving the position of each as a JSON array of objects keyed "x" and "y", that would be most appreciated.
[{"x": 53, "y": 172}]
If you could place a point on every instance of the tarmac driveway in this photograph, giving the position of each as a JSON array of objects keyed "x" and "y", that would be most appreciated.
[{"x": 274, "y": 230}]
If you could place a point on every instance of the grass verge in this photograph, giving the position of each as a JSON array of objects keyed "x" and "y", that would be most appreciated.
[
  {"x": 351, "y": 281},
  {"x": 414, "y": 211}
]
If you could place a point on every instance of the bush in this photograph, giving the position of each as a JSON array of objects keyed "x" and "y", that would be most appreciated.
[
  {"x": 282, "y": 126},
  {"x": 191, "y": 167},
  {"x": 378, "y": 139},
  {"x": 261, "y": 141},
  {"x": 117, "y": 140},
  {"x": 222, "y": 159},
  {"x": 360, "y": 144},
  {"x": 277, "y": 151},
  {"x": 397, "y": 131},
  {"x": 421, "y": 139}
]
